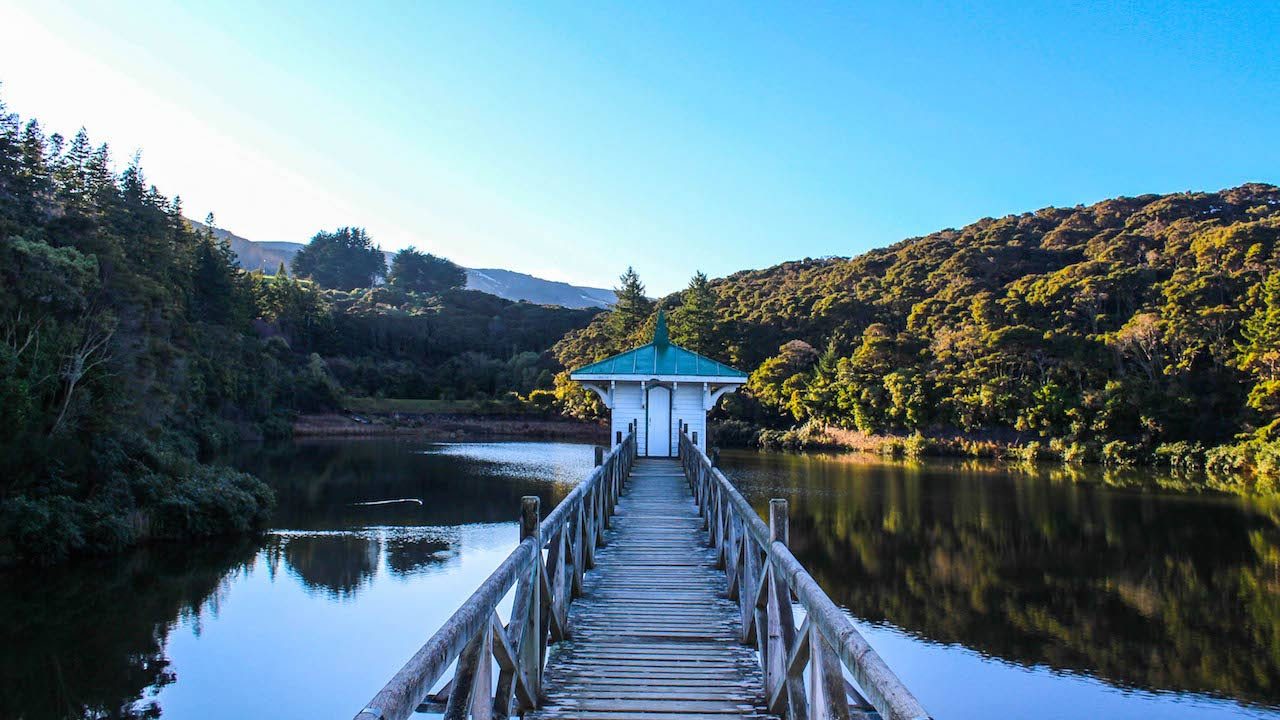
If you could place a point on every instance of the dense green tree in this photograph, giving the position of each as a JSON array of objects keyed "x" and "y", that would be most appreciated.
[
  {"x": 426, "y": 273},
  {"x": 1259, "y": 349},
  {"x": 632, "y": 310},
  {"x": 344, "y": 259},
  {"x": 779, "y": 380},
  {"x": 216, "y": 288},
  {"x": 694, "y": 324}
]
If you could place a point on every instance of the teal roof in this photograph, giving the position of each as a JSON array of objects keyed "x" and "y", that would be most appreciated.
[{"x": 659, "y": 357}]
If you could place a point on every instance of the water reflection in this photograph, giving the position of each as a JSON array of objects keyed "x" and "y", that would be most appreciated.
[
  {"x": 1139, "y": 587},
  {"x": 338, "y": 563},
  {"x": 1142, "y": 588},
  {"x": 88, "y": 639},
  {"x": 319, "y": 483},
  {"x": 307, "y": 621},
  {"x": 408, "y": 555}
]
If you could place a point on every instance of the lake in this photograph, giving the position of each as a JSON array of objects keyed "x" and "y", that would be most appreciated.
[{"x": 992, "y": 591}]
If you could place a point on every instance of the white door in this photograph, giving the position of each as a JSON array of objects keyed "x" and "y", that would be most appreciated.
[{"x": 659, "y": 428}]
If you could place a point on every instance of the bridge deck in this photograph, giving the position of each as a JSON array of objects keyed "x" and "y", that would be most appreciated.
[{"x": 654, "y": 635}]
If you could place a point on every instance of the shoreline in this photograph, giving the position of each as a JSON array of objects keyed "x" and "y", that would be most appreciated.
[{"x": 448, "y": 426}]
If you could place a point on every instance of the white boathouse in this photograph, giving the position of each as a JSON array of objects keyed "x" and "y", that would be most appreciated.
[{"x": 660, "y": 387}]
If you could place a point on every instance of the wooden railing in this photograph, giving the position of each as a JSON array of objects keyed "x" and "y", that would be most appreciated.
[
  {"x": 544, "y": 586},
  {"x": 764, "y": 578}
]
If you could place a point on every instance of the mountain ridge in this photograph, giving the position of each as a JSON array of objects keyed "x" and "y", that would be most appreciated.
[{"x": 507, "y": 284}]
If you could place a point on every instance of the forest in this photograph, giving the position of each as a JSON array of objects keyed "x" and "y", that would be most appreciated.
[
  {"x": 1134, "y": 330},
  {"x": 135, "y": 353}
]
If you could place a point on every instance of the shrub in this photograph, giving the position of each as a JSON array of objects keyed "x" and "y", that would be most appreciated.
[
  {"x": 980, "y": 448},
  {"x": 42, "y": 530},
  {"x": 543, "y": 401},
  {"x": 1029, "y": 453},
  {"x": 1078, "y": 452},
  {"x": 1181, "y": 455},
  {"x": 1226, "y": 460},
  {"x": 892, "y": 448},
  {"x": 770, "y": 439},
  {"x": 1119, "y": 453},
  {"x": 213, "y": 501},
  {"x": 915, "y": 446},
  {"x": 737, "y": 433}
]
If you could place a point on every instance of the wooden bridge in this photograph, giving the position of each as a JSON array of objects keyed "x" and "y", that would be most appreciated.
[{"x": 653, "y": 591}]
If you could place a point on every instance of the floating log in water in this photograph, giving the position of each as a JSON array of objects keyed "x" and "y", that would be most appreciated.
[{"x": 389, "y": 502}]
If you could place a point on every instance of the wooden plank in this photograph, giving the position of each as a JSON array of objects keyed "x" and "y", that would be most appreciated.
[{"x": 654, "y": 633}]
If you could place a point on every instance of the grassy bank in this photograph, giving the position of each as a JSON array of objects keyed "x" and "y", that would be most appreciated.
[{"x": 451, "y": 421}]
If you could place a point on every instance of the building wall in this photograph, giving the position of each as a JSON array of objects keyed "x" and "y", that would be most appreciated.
[
  {"x": 686, "y": 406},
  {"x": 627, "y": 407}
]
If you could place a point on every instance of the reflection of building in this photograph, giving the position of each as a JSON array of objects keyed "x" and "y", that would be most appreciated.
[
  {"x": 338, "y": 563},
  {"x": 660, "y": 387}
]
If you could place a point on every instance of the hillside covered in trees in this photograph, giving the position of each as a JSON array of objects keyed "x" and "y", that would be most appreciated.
[
  {"x": 135, "y": 352},
  {"x": 1129, "y": 330}
]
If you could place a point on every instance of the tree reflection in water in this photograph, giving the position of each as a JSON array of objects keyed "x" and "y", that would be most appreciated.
[
  {"x": 340, "y": 564},
  {"x": 93, "y": 639},
  {"x": 1139, "y": 587},
  {"x": 336, "y": 563},
  {"x": 88, "y": 639}
]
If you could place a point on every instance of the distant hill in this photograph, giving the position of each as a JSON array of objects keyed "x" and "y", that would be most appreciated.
[
  {"x": 507, "y": 284},
  {"x": 519, "y": 286}
]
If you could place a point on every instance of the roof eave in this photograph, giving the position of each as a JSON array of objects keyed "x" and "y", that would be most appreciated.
[{"x": 639, "y": 377}]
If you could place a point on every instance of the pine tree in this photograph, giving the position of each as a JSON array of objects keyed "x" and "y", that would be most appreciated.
[
  {"x": 216, "y": 278},
  {"x": 632, "y": 309},
  {"x": 693, "y": 323},
  {"x": 71, "y": 172},
  {"x": 34, "y": 181}
]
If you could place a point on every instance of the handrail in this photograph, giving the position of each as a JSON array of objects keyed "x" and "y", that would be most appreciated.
[
  {"x": 763, "y": 577},
  {"x": 475, "y": 636}
]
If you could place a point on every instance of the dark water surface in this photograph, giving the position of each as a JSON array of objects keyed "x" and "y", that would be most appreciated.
[{"x": 993, "y": 593}]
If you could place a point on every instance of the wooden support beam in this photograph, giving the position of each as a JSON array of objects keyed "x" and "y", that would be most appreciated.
[{"x": 531, "y": 641}]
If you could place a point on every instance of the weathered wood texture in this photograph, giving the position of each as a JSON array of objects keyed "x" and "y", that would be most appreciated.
[
  {"x": 804, "y": 667},
  {"x": 654, "y": 635}
]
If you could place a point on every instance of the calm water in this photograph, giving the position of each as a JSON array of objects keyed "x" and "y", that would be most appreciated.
[{"x": 992, "y": 593}]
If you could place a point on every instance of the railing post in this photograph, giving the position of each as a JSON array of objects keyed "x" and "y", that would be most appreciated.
[
  {"x": 828, "y": 697},
  {"x": 779, "y": 523},
  {"x": 784, "y": 690},
  {"x": 600, "y": 454},
  {"x": 531, "y": 650}
]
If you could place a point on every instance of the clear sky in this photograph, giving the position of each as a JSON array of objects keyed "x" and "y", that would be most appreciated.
[{"x": 569, "y": 140}]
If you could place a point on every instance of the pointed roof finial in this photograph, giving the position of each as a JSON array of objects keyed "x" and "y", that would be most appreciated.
[{"x": 660, "y": 338}]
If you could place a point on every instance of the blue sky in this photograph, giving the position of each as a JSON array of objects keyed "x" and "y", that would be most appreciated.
[{"x": 569, "y": 140}]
